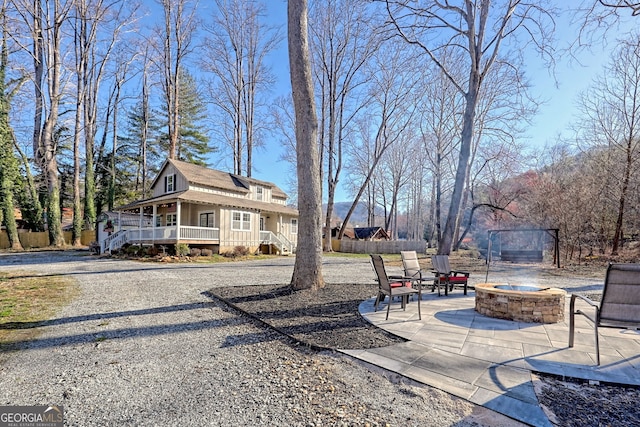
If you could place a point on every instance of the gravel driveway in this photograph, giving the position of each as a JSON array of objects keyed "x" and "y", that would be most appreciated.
[{"x": 142, "y": 345}]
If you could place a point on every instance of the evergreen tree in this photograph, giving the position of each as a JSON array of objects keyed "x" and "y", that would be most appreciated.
[
  {"x": 8, "y": 161},
  {"x": 137, "y": 160},
  {"x": 193, "y": 141}
]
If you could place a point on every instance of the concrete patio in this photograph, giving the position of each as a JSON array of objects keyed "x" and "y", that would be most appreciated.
[{"x": 490, "y": 361}]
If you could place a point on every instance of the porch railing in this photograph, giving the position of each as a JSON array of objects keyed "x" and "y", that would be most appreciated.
[
  {"x": 279, "y": 241},
  {"x": 150, "y": 235},
  {"x": 199, "y": 233}
]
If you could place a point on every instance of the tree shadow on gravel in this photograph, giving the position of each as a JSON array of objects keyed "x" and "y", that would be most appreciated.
[{"x": 324, "y": 319}]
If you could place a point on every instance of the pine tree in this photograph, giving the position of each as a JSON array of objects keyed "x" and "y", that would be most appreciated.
[{"x": 193, "y": 141}]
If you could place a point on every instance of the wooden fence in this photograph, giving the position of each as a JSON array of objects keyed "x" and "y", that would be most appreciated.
[
  {"x": 41, "y": 239},
  {"x": 381, "y": 246}
]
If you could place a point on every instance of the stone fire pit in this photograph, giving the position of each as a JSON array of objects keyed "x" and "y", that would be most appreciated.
[{"x": 522, "y": 303}]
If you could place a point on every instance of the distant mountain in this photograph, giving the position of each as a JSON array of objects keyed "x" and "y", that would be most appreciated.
[{"x": 340, "y": 210}]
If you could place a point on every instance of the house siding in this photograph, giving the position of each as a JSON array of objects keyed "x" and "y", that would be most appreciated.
[
  {"x": 181, "y": 183},
  {"x": 230, "y": 238},
  {"x": 188, "y": 205},
  {"x": 212, "y": 190}
]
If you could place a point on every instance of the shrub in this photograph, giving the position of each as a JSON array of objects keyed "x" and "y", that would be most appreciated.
[
  {"x": 195, "y": 252},
  {"x": 153, "y": 251},
  {"x": 182, "y": 249},
  {"x": 238, "y": 251},
  {"x": 207, "y": 252},
  {"x": 132, "y": 250}
]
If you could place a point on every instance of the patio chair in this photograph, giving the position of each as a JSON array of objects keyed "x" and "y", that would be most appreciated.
[
  {"x": 393, "y": 286},
  {"x": 447, "y": 277},
  {"x": 412, "y": 269},
  {"x": 619, "y": 306}
]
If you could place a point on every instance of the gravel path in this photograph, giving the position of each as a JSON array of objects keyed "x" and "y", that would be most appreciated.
[{"x": 144, "y": 345}]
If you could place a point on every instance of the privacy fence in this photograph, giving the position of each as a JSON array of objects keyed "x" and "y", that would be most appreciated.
[
  {"x": 41, "y": 239},
  {"x": 379, "y": 246}
]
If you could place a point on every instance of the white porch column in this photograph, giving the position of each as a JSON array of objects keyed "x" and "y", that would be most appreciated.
[
  {"x": 177, "y": 220},
  {"x": 153, "y": 223},
  {"x": 140, "y": 226}
]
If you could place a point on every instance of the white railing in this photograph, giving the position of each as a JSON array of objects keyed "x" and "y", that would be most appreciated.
[
  {"x": 150, "y": 235},
  {"x": 116, "y": 240},
  {"x": 279, "y": 241},
  {"x": 286, "y": 242},
  {"x": 199, "y": 233}
]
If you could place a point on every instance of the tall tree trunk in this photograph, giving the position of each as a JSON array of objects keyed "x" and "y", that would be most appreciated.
[
  {"x": 446, "y": 242},
  {"x": 307, "y": 272},
  {"x": 617, "y": 237},
  {"x": 38, "y": 75},
  {"x": 49, "y": 145},
  {"x": 80, "y": 34}
]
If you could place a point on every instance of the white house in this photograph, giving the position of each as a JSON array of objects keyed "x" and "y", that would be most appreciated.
[{"x": 205, "y": 208}]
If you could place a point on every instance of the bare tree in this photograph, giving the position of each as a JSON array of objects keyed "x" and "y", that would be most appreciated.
[
  {"x": 343, "y": 41},
  {"x": 598, "y": 17},
  {"x": 439, "y": 127},
  {"x": 46, "y": 20},
  {"x": 478, "y": 29},
  {"x": 307, "y": 272},
  {"x": 97, "y": 30},
  {"x": 238, "y": 45},
  {"x": 390, "y": 112},
  {"x": 180, "y": 21},
  {"x": 611, "y": 119}
]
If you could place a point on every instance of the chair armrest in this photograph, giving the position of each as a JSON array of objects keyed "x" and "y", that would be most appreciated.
[
  {"x": 595, "y": 318},
  {"x": 585, "y": 299},
  {"x": 416, "y": 276},
  {"x": 464, "y": 273}
]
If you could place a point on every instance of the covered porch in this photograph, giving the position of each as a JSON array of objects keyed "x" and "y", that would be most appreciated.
[{"x": 213, "y": 221}]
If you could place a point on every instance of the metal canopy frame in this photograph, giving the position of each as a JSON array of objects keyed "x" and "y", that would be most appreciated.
[{"x": 553, "y": 232}]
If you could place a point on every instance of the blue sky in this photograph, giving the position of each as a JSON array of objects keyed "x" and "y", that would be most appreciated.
[{"x": 553, "y": 118}]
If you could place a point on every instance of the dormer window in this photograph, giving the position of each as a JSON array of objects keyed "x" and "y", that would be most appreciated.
[
  {"x": 259, "y": 193},
  {"x": 170, "y": 183}
]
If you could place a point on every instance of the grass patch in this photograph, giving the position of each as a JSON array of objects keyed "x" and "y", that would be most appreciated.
[{"x": 26, "y": 300}]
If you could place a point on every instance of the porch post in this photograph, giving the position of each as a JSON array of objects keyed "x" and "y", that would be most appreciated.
[
  {"x": 177, "y": 221},
  {"x": 153, "y": 224},
  {"x": 140, "y": 226}
]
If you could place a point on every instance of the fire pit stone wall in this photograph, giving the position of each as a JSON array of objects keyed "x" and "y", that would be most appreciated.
[{"x": 544, "y": 305}]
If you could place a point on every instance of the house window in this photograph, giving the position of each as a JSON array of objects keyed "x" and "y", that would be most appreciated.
[
  {"x": 207, "y": 219},
  {"x": 259, "y": 193},
  {"x": 158, "y": 220},
  {"x": 241, "y": 221},
  {"x": 170, "y": 183},
  {"x": 294, "y": 226},
  {"x": 172, "y": 219}
]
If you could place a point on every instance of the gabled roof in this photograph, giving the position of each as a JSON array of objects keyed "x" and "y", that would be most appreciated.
[
  {"x": 364, "y": 233},
  {"x": 199, "y": 175}
]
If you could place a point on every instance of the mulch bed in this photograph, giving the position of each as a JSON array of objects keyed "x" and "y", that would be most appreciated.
[
  {"x": 326, "y": 319},
  {"x": 329, "y": 319}
]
